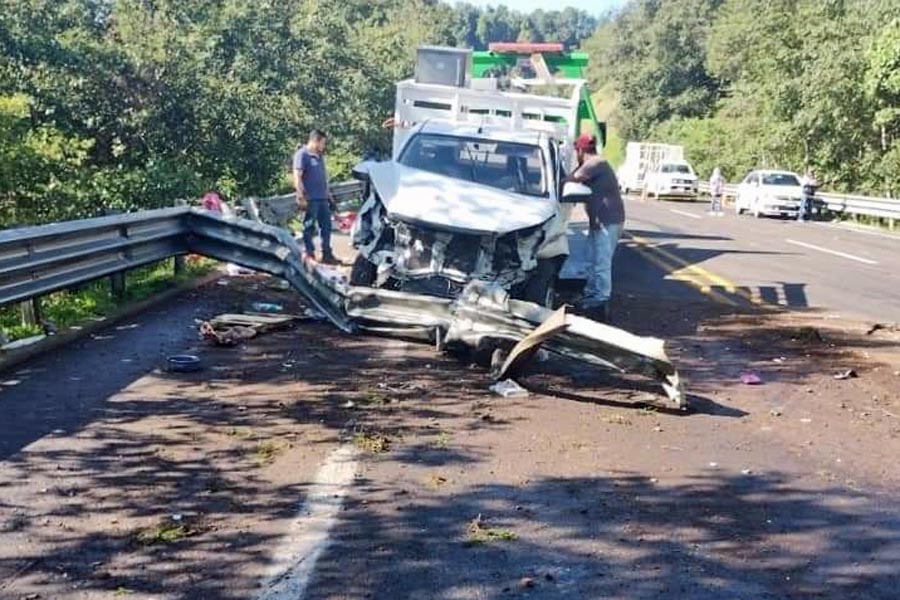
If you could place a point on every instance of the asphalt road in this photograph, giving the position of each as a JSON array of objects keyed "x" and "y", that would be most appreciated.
[{"x": 855, "y": 273}]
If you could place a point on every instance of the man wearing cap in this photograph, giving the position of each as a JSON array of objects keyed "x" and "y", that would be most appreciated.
[{"x": 606, "y": 219}]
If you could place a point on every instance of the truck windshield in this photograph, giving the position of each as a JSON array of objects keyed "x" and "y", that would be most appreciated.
[
  {"x": 676, "y": 168},
  {"x": 507, "y": 166},
  {"x": 780, "y": 179}
]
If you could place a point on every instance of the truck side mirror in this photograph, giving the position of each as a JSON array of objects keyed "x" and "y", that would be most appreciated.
[{"x": 575, "y": 192}]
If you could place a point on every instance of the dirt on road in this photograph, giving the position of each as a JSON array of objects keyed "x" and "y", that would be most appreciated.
[{"x": 118, "y": 479}]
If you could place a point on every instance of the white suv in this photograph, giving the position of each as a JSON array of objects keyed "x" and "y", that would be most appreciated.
[{"x": 672, "y": 179}]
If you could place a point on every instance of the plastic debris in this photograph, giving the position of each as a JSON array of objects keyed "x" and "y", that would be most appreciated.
[
  {"x": 508, "y": 388},
  {"x": 267, "y": 307},
  {"x": 848, "y": 374},
  {"x": 183, "y": 363},
  {"x": 750, "y": 378}
]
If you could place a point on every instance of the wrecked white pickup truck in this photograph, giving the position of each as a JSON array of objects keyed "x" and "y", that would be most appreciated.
[
  {"x": 474, "y": 189},
  {"x": 464, "y": 203}
]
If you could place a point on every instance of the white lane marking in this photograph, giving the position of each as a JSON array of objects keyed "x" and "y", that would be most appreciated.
[
  {"x": 834, "y": 252},
  {"x": 295, "y": 559},
  {"x": 684, "y": 214}
]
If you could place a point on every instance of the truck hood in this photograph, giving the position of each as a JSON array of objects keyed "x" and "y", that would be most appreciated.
[{"x": 444, "y": 202}]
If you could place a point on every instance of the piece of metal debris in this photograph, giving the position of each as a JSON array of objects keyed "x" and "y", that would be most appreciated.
[
  {"x": 508, "y": 388},
  {"x": 848, "y": 374}
]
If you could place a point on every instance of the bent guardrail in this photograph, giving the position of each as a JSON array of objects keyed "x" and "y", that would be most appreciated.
[{"x": 39, "y": 260}]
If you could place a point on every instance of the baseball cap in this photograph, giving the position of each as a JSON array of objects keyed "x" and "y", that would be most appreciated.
[{"x": 586, "y": 142}]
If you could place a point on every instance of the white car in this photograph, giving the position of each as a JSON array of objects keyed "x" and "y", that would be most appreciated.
[
  {"x": 769, "y": 193},
  {"x": 672, "y": 179},
  {"x": 463, "y": 203}
]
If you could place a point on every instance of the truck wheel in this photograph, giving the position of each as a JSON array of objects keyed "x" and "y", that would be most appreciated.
[
  {"x": 363, "y": 272},
  {"x": 541, "y": 288}
]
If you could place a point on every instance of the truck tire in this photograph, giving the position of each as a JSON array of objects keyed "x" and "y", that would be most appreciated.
[
  {"x": 363, "y": 272},
  {"x": 541, "y": 287}
]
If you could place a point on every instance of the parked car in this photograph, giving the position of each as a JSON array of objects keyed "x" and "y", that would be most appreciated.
[
  {"x": 672, "y": 179},
  {"x": 769, "y": 193}
]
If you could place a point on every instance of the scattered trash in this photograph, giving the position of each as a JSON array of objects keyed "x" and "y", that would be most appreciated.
[
  {"x": 479, "y": 533},
  {"x": 658, "y": 429},
  {"x": 884, "y": 327},
  {"x": 746, "y": 472},
  {"x": 808, "y": 334},
  {"x": 233, "y": 270},
  {"x": 806, "y": 420},
  {"x": 232, "y": 329},
  {"x": 230, "y": 336},
  {"x": 750, "y": 378},
  {"x": 267, "y": 307},
  {"x": 713, "y": 465},
  {"x": 779, "y": 360},
  {"x": 848, "y": 374},
  {"x": 183, "y": 363},
  {"x": 527, "y": 582},
  {"x": 348, "y": 404},
  {"x": 177, "y": 517},
  {"x": 509, "y": 389}
]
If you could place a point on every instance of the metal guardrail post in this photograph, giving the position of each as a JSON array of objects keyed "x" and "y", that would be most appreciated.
[
  {"x": 30, "y": 311},
  {"x": 179, "y": 264}
]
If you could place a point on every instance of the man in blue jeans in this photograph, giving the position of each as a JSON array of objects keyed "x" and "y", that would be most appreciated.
[
  {"x": 606, "y": 219},
  {"x": 314, "y": 195}
]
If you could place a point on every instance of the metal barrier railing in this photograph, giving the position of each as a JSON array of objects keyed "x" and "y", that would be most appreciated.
[{"x": 38, "y": 260}]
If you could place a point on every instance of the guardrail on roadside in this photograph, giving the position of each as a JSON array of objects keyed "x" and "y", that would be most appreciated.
[{"x": 841, "y": 204}]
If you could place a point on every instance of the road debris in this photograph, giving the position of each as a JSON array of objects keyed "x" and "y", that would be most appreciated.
[
  {"x": 480, "y": 533},
  {"x": 233, "y": 329},
  {"x": 750, "y": 378},
  {"x": 183, "y": 363},
  {"x": 892, "y": 327},
  {"x": 508, "y": 388},
  {"x": 267, "y": 307},
  {"x": 848, "y": 374}
]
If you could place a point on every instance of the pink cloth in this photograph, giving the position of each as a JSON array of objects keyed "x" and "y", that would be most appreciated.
[{"x": 212, "y": 201}]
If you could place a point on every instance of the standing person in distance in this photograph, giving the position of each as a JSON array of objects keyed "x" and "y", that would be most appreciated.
[
  {"x": 716, "y": 189},
  {"x": 809, "y": 185},
  {"x": 314, "y": 195}
]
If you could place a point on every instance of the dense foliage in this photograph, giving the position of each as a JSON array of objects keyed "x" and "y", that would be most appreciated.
[
  {"x": 750, "y": 83},
  {"x": 110, "y": 105}
]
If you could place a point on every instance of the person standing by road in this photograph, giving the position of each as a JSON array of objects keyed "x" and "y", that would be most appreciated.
[
  {"x": 809, "y": 184},
  {"x": 716, "y": 189},
  {"x": 606, "y": 219},
  {"x": 314, "y": 195}
]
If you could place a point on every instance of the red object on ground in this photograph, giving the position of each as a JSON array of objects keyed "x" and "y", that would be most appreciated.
[
  {"x": 526, "y": 48},
  {"x": 345, "y": 220}
]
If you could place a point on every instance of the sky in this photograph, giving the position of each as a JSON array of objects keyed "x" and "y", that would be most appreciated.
[{"x": 595, "y": 7}]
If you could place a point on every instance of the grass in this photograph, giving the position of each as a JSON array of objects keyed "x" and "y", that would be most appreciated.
[
  {"x": 95, "y": 299},
  {"x": 479, "y": 533},
  {"x": 442, "y": 440},
  {"x": 266, "y": 452},
  {"x": 372, "y": 442},
  {"x": 166, "y": 532}
]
